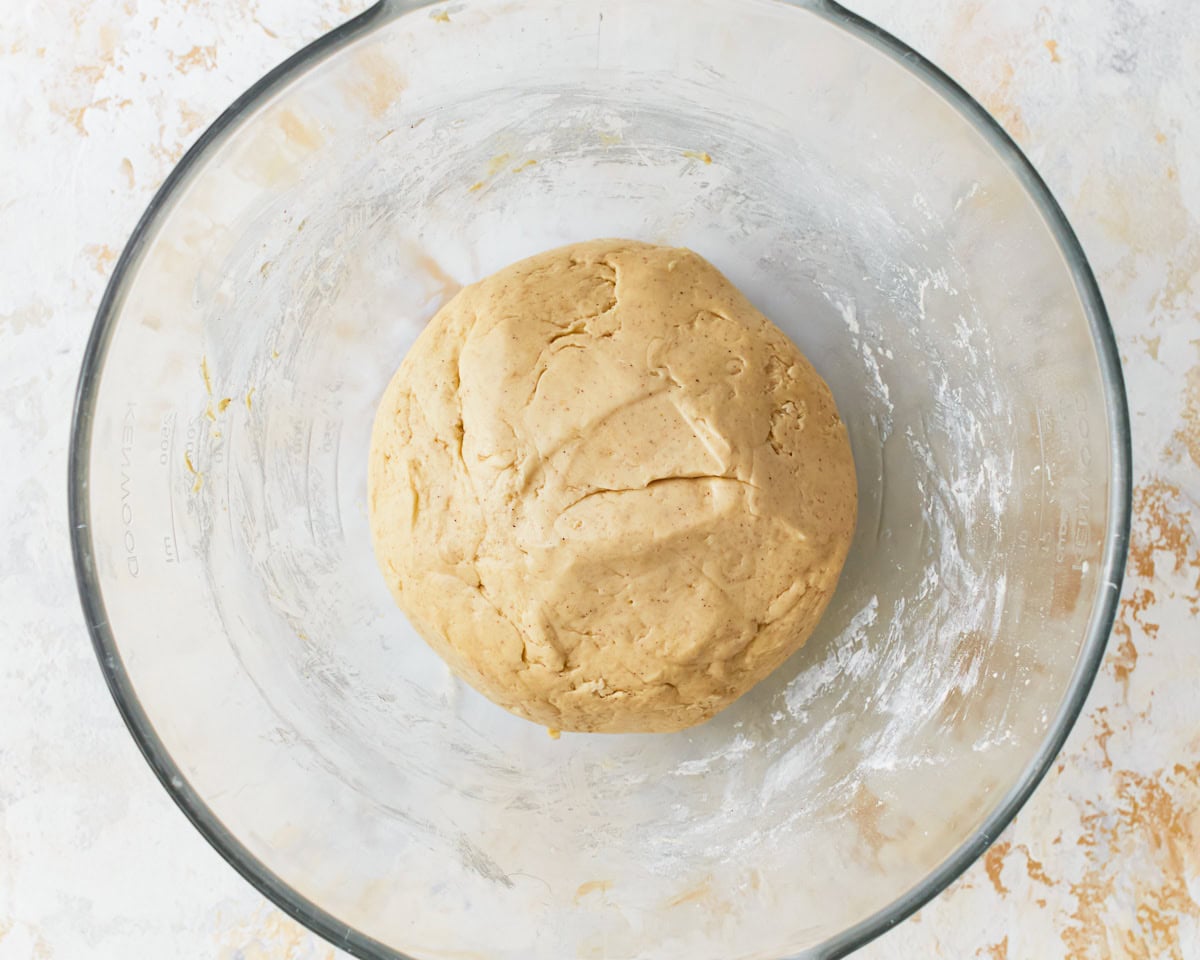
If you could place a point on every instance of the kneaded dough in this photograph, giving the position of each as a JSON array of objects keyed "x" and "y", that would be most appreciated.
[{"x": 608, "y": 491}]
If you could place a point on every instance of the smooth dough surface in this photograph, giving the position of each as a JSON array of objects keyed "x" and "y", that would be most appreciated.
[{"x": 608, "y": 491}]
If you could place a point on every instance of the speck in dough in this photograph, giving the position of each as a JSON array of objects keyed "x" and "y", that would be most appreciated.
[{"x": 608, "y": 491}]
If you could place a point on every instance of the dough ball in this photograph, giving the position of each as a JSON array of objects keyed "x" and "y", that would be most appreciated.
[{"x": 608, "y": 491}]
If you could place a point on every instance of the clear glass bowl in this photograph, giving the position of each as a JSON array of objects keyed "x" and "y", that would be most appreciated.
[{"x": 867, "y": 205}]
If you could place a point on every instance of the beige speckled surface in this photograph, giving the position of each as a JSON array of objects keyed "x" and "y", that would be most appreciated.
[{"x": 101, "y": 99}]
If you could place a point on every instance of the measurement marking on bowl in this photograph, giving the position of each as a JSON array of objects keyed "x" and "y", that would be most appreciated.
[
  {"x": 126, "y": 476},
  {"x": 166, "y": 443}
]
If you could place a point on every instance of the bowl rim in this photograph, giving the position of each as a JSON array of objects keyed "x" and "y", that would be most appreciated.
[{"x": 1119, "y": 508}]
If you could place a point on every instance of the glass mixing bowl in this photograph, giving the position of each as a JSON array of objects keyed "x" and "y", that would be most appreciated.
[{"x": 862, "y": 201}]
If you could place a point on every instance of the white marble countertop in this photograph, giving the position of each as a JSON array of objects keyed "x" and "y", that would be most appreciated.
[{"x": 101, "y": 99}]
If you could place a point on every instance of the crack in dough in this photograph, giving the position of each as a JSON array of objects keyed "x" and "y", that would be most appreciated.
[{"x": 608, "y": 491}]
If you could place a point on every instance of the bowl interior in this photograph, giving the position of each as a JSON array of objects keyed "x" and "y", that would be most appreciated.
[{"x": 280, "y": 283}]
